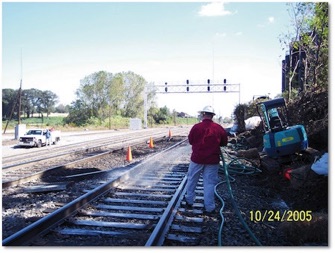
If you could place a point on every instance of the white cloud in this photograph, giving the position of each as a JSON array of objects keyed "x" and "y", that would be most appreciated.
[
  {"x": 270, "y": 21},
  {"x": 220, "y": 35},
  {"x": 213, "y": 9}
]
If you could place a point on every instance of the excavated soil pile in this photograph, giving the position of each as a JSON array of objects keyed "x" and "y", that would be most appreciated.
[
  {"x": 312, "y": 112},
  {"x": 289, "y": 179}
]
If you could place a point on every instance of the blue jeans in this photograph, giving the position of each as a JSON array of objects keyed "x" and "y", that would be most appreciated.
[{"x": 210, "y": 179}]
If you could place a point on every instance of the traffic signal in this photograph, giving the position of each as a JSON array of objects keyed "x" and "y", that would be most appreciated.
[
  {"x": 187, "y": 88},
  {"x": 208, "y": 82},
  {"x": 166, "y": 89},
  {"x": 224, "y": 87}
]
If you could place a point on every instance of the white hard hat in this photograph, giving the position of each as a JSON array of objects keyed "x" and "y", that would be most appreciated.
[{"x": 208, "y": 109}]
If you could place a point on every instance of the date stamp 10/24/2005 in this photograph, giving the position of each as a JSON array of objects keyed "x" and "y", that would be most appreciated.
[{"x": 281, "y": 216}]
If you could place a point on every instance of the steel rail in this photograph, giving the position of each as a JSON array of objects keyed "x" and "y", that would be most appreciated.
[
  {"x": 45, "y": 224},
  {"x": 158, "y": 235}
]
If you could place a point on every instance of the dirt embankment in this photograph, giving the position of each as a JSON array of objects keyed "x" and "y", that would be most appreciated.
[{"x": 311, "y": 110}]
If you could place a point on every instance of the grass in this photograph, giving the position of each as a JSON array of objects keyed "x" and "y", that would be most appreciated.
[
  {"x": 115, "y": 122},
  {"x": 36, "y": 122}
]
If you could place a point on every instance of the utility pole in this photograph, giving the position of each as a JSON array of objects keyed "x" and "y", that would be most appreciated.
[
  {"x": 19, "y": 110},
  {"x": 145, "y": 107},
  {"x": 20, "y": 129}
]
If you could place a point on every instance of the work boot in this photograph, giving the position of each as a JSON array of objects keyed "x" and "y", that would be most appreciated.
[{"x": 188, "y": 205}]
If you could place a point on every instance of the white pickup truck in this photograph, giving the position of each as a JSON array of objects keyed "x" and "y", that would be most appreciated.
[{"x": 37, "y": 138}]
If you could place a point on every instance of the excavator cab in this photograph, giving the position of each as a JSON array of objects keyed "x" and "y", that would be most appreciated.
[
  {"x": 280, "y": 138},
  {"x": 275, "y": 123}
]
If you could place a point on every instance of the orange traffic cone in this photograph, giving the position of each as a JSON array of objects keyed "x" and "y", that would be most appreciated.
[
  {"x": 151, "y": 143},
  {"x": 129, "y": 155},
  {"x": 170, "y": 134}
]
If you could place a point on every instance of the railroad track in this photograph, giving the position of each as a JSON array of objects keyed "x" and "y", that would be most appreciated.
[
  {"x": 25, "y": 167},
  {"x": 76, "y": 141},
  {"x": 108, "y": 139},
  {"x": 143, "y": 207}
]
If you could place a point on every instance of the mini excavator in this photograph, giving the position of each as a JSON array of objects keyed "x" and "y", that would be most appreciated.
[{"x": 280, "y": 139}]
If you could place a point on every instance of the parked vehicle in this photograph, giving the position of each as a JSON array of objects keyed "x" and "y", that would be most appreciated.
[{"x": 37, "y": 138}]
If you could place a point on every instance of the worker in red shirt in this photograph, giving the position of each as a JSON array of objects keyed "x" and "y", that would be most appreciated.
[{"x": 206, "y": 138}]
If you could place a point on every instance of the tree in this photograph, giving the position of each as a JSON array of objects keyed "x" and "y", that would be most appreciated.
[
  {"x": 94, "y": 93},
  {"x": 105, "y": 94},
  {"x": 37, "y": 101},
  {"x": 320, "y": 44},
  {"x": 152, "y": 112},
  {"x": 161, "y": 115},
  {"x": 115, "y": 93},
  {"x": 32, "y": 101},
  {"x": 9, "y": 99},
  {"x": 47, "y": 102},
  {"x": 308, "y": 46},
  {"x": 79, "y": 113},
  {"x": 62, "y": 108},
  {"x": 133, "y": 100}
]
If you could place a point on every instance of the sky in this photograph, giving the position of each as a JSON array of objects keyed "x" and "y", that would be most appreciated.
[{"x": 52, "y": 46}]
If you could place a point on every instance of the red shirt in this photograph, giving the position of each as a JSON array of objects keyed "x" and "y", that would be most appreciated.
[{"x": 206, "y": 138}]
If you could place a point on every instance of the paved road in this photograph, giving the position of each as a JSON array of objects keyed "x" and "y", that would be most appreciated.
[
  {"x": 8, "y": 147},
  {"x": 66, "y": 138}
]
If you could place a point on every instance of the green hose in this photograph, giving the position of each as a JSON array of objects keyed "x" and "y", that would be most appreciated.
[{"x": 237, "y": 168}]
